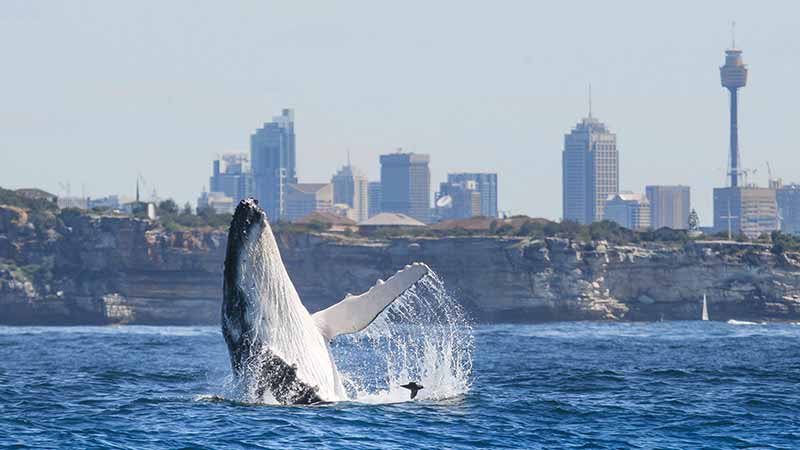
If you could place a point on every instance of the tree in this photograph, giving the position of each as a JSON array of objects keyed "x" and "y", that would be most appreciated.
[
  {"x": 168, "y": 206},
  {"x": 694, "y": 220},
  {"x": 187, "y": 209}
]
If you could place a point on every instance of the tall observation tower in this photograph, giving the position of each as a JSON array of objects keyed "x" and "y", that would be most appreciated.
[
  {"x": 748, "y": 210},
  {"x": 734, "y": 76}
]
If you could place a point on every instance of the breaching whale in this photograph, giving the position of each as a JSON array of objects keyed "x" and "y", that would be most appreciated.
[{"x": 276, "y": 347}]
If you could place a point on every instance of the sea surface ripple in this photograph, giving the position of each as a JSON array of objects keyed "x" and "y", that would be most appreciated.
[{"x": 565, "y": 385}]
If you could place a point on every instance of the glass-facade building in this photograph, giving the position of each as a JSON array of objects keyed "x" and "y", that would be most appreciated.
[
  {"x": 590, "y": 171},
  {"x": 406, "y": 182},
  {"x": 273, "y": 159},
  {"x": 232, "y": 176},
  {"x": 485, "y": 184}
]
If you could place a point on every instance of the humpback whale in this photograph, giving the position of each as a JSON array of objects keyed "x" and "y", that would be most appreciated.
[{"x": 276, "y": 346}]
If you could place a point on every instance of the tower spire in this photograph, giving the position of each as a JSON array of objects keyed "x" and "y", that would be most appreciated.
[
  {"x": 733, "y": 34},
  {"x": 348, "y": 157},
  {"x": 590, "y": 100}
]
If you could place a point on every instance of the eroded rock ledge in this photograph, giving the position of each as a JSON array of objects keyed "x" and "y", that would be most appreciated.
[{"x": 120, "y": 270}]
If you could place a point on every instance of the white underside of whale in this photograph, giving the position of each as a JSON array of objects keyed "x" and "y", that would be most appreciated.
[{"x": 284, "y": 325}]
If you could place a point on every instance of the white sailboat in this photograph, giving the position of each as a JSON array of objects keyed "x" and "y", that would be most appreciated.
[{"x": 705, "y": 308}]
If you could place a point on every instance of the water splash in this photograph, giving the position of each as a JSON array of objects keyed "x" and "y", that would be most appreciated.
[{"x": 424, "y": 336}]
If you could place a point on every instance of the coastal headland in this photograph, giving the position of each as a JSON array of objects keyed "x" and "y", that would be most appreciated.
[{"x": 62, "y": 267}]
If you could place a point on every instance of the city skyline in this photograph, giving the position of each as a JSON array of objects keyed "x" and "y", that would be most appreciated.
[{"x": 183, "y": 113}]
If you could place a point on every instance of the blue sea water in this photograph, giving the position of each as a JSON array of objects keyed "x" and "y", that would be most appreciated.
[{"x": 565, "y": 385}]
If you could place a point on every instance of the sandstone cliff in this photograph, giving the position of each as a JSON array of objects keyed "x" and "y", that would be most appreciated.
[{"x": 123, "y": 270}]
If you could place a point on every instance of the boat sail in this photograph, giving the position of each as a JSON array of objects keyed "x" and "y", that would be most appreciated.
[{"x": 705, "y": 308}]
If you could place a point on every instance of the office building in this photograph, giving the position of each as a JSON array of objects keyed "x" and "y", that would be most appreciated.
[
  {"x": 748, "y": 210},
  {"x": 590, "y": 170},
  {"x": 231, "y": 176},
  {"x": 73, "y": 202},
  {"x": 303, "y": 199},
  {"x": 273, "y": 156},
  {"x": 406, "y": 182},
  {"x": 669, "y": 206},
  {"x": 788, "y": 200},
  {"x": 458, "y": 200},
  {"x": 485, "y": 184},
  {"x": 629, "y": 210},
  {"x": 217, "y": 202},
  {"x": 375, "y": 198},
  {"x": 351, "y": 188}
]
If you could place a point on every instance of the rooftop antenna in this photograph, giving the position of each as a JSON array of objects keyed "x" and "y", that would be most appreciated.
[
  {"x": 348, "y": 157},
  {"x": 590, "y": 100},
  {"x": 733, "y": 34}
]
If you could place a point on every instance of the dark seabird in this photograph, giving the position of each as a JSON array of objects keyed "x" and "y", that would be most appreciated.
[{"x": 413, "y": 387}]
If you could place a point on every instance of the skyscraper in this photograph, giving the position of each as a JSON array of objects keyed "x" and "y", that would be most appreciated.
[
  {"x": 406, "y": 182},
  {"x": 375, "y": 198},
  {"x": 486, "y": 184},
  {"x": 590, "y": 170},
  {"x": 788, "y": 199},
  {"x": 272, "y": 155},
  {"x": 350, "y": 187},
  {"x": 669, "y": 206}
]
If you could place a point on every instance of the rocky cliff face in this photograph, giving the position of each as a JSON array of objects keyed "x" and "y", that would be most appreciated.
[
  {"x": 122, "y": 270},
  {"x": 517, "y": 279}
]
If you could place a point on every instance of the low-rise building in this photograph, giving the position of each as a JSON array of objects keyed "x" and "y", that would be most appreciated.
[
  {"x": 73, "y": 202},
  {"x": 303, "y": 199},
  {"x": 140, "y": 209},
  {"x": 217, "y": 202},
  {"x": 331, "y": 221},
  {"x": 389, "y": 221},
  {"x": 109, "y": 201},
  {"x": 628, "y": 209}
]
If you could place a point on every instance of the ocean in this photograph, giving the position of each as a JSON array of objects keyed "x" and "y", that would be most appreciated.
[{"x": 682, "y": 385}]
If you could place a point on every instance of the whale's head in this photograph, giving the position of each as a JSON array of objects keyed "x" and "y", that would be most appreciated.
[{"x": 247, "y": 233}]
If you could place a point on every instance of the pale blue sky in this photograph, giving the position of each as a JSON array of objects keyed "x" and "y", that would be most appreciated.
[{"x": 92, "y": 92}]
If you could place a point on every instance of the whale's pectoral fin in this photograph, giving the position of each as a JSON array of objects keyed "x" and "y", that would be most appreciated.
[{"x": 355, "y": 312}]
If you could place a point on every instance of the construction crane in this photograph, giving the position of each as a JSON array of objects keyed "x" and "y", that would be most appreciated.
[
  {"x": 66, "y": 187},
  {"x": 747, "y": 172},
  {"x": 773, "y": 183}
]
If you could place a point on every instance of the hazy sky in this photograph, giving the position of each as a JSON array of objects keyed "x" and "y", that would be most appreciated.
[{"x": 92, "y": 92}]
